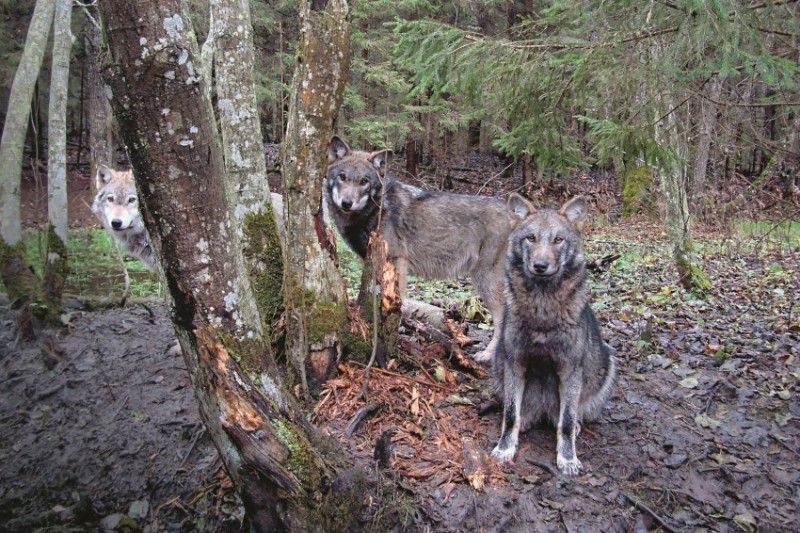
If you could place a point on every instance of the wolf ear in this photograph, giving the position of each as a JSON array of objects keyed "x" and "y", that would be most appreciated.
[
  {"x": 381, "y": 160},
  {"x": 575, "y": 211},
  {"x": 102, "y": 177},
  {"x": 520, "y": 206},
  {"x": 337, "y": 149}
]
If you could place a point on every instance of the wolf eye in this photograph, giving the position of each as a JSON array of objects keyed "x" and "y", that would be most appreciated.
[
  {"x": 110, "y": 198},
  {"x": 342, "y": 177},
  {"x": 364, "y": 181},
  {"x": 531, "y": 238},
  {"x": 558, "y": 240},
  {"x": 132, "y": 200}
]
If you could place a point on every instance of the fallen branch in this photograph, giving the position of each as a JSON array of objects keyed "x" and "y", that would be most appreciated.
[
  {"x": 543, "y": 465},
  {"x": 359, "y": 417},
  {"x": 642, "y": 507},
  {"x": 451, "y": 347}
]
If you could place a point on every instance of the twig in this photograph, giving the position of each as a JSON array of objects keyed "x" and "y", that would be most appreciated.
[
  {"x": 408, "y": 378},
  {"x": 711, "y": 394},
  {"x": 780, "y": 441},
  {"x": 196, "y": 438},
  {"x": 642, "y": 507},
  {"x": 543, "y": 465},
  {"x": 359, "y": 417}
]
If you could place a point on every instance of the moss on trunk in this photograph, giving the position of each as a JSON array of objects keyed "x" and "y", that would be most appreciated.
[{"x": 55, "y": 275}]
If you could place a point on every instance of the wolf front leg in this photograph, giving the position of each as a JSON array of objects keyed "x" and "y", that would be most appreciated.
[
  {"x": 513, "y": 390},
  {"x": 569, "y": 391}
]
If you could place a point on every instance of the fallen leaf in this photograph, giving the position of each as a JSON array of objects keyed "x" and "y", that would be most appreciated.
[
  {"x": 706, "y": 421},
  {"x": 746, "y": 522},
  {"x": 459, "y": 400},
  {"x": 688, "y": 383}
]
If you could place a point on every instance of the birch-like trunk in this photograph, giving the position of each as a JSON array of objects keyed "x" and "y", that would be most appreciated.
[
  {"x": 315, "y": 298},
  {"x": 16, "y": 124},
  {"x": 99, "y": 115},
  {"x": 229, "y": 48},
  {"x": 19, "y": 280},
  {"x": 289, "y": 476},
  {"x": 55, "y": 272}
]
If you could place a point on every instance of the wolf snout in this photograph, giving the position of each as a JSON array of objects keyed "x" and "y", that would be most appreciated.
[
  {"x": 116, "y": 223},
  {"x": 540, "y": 267},
  {"x": 347, "y": 205}
]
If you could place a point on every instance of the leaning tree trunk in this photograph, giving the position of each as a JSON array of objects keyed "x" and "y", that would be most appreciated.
[
  {"x": 55, "y": 272},
  {"x": 101, "y": 120},
  {"x": 315, "y": 297},
  {"x": 289, "y": 477},
  {"x": 19, "y": 281}
]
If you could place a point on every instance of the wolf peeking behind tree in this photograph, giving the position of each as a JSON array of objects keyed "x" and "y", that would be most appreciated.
[
  {"x": 430, "y": 234},
  {"x": 551, "y": 362}
]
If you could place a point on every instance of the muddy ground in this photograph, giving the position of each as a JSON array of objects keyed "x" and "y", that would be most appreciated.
[{"x": 99, "y": 429}]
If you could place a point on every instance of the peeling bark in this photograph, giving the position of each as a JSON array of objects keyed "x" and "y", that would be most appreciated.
[{"x": 315, "y": 298}]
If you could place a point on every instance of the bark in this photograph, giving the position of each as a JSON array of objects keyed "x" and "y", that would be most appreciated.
[
  {"x": 101, "y": 120},
  {"x": 16, "y": 124},
  {"x": 289, "y": 477},
  {"x": 674, "y": 179},
  {"x": 55, "y": 271},
  {"x": 230, "y": 47},
  {"x": 708, "y": 119},
  {"x": 315, "y": 299}
]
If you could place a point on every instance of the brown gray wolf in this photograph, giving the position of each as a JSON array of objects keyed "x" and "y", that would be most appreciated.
[
  {"x": 429, "y": 234},
  {"x": 116, "y": 204},
  {"x": 551, "y": 362}
]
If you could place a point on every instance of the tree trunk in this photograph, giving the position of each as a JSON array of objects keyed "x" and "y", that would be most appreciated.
[
  {"x": 708, "y": 119},
  {"x": 289, "y": 477},
  {"x": 101, "y": 120},
  {"x": 19, "y": 280},
  {"x": 230, "y": 47},
  {"x": 674, "y": 178},
  {"x": 55, "y": 271},
  {"x": 315, "y": 298}
]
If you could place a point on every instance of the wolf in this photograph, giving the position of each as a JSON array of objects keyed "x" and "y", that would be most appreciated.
[
  {"x": 429, "y": 234},
  {"x": 116, "y": 204},
  {"x": 551, "y": 362}
]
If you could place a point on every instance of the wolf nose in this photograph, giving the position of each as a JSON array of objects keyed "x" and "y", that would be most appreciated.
[
  {"x": 347, "y": 204},
  {"x": 540, "y": 267},
  {"x": 116, "y": 223}
]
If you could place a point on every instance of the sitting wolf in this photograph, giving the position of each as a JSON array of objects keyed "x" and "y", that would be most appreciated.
[
  {"x": 551, "y": 362},
  {"x": 429, "y": 234}
]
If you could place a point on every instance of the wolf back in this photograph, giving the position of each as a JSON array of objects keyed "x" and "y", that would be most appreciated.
[
  {"x": 551, "y": 362},
  {"x": 430, "y": 234}
]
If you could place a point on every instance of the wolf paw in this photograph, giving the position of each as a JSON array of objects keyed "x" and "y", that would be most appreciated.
[
  {"x": 484, "y": 356},
  {"x": 569, "y": 467},
  {"x": 504, "y": 455}
]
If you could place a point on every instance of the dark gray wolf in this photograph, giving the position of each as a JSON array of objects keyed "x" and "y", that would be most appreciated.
[
  {"x": 429, "y": 234},
  {"x": 116, "y": 204},
  {"x": 551, "y": 362}
]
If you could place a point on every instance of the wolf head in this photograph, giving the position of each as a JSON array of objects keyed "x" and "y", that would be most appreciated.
[
  {"x": 116, "y": 203},
  {"x": 354, "y": 179},
  {"x": 545, "y": 245}
]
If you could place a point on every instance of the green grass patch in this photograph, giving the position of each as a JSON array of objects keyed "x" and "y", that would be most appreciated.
[{"x": 93, "y": 266}]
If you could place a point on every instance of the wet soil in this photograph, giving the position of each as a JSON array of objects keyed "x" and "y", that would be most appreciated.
[{"x": 99, "y": 428}]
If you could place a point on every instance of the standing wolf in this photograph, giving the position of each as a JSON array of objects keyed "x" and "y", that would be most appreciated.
[
  {"x": 429, "y": 234},
  {"x": 117, "y": 206},
  {"x": 551, "y": 362}
]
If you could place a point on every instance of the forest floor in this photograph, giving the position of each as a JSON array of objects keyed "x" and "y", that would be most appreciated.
[{"x": 99, "y": 429}]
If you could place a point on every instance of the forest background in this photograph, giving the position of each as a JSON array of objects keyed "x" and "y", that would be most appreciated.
[{"x": 690, "y": 108}]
